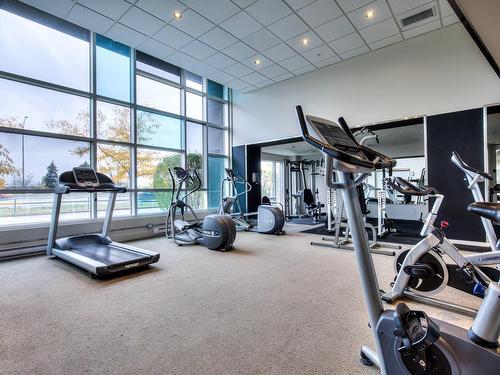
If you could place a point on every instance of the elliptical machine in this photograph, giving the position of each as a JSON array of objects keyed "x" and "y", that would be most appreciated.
[
  {"x": 404, "y": 345},
  {"x": 270, "y": 218},
  {"x": 217, "y": 232}
]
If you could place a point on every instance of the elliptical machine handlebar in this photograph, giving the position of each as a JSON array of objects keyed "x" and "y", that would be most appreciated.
[
  {"x": 236, "y": 179},
  {"x": 183, "y": 177}
]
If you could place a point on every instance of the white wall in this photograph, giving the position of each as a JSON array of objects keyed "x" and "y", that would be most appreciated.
[{"x": 439, "y": 72}]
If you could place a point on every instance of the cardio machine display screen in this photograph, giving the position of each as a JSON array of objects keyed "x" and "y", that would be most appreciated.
[
  {"x": 85, "y": 175},
  {"x": 334, "y": 135}
]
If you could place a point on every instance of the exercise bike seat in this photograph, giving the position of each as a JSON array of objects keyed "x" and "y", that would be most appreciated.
[
  {"x": 407, "y": 188},
  {"x": 488, "y": 210}
]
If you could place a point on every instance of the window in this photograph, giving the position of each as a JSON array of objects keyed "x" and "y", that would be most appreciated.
[
  {"x": 194, "y": 149},
  {"x": 271, "y": 180},
  {"x": 35, "y": 50},
  {"x": 194, "y": 106},
  {"x": 216, "y": 112},
  {"x": 157, "y": 130},
  {"x": 157, "y": 67},
  {"x": 30, "y": 107},
  {"x": 113, "y": 122},
  {"x": 52, "y": 119},
  {"x": 194, "y": 81},
  {"x": 217, "y": 141},
  {"x": 115, "y": 161},
  {"x": 113, "y": 69},
  {"x": 157, "y": 95}
]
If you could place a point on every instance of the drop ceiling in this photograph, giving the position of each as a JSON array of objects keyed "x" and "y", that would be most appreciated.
[
  {"x": 292, "y": 149},
  {"x": 223, "y": 39}
]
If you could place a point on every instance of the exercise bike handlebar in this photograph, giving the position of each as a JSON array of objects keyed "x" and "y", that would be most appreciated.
[{"x": 407, "y": 188}]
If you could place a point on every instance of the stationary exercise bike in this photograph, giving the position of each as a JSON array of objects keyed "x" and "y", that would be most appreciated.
[
  {"x": 407, "y": 341},
  {"x": 421, "y": 271},
  {"x": 474, "y": 177},
  {"x": 217, "y": 232}
]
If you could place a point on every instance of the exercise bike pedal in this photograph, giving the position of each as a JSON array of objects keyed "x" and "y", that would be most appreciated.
[
  {"x": 479, "y": 290},
  {"x": 422, "y": 271}
]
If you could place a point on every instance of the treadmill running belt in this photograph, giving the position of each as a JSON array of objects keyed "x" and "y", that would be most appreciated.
[{"x": 109, "y": 255}]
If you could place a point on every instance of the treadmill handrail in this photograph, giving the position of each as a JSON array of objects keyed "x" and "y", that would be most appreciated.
[{"x": 65, "y": 189}]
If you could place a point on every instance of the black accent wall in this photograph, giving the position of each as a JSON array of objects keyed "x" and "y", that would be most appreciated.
[
  {"x": 461, "y": 132},
  {"x": 239, "y": 165},
  {"x": 253, "y": 166}
]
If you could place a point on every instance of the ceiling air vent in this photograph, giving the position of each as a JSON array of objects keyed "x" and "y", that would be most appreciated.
[{"x": 417, "y": 17}]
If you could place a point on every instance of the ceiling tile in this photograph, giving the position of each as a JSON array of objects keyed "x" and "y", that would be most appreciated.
[
  {"x": 264, "y": 62},
  {"x": 202, "y": 69},
  {"x": 329, "y": 61},
  {"x": 380, "y": 8},
  {"x": 254, "y": 78},
  {"x": 386, "y": 42},
  {"x": 296, "y": 42},
  {"x": 172, "y": 37},
  {"x": 400, "y": 6},
  {"x": 422, "y": 29},
  {"x": 282, "y": 77},
  {"x": 141, "y": 21},
  {"x": 111, "y": 8},
  {"x": 220, "y": 61},
  {"x": 347, "y": 43},
  {"x": 237, "y": 84},
  {"x": 220, "y": 77},
  {"x": 163, "y": 9},
  {"x": 181, "y": 59},
  {"x": 239, "y": 51},
  {"x": 297, "y": 4},
  {"x": 198, "y": 50},
  {"x": 155, "y": 48},
  {"x": 289, "y": 27},
  {"x": 243, "y": 3},
  {"x": 262, "y": 40},
  {"x": 268, "y": 11},
  {"x": 305, "y": 69},
  {"x": 294, "y": 63},
  {"x": 335, "y": 29},
  {"x": 89, "y": 19},
  {"x": 319, "y": 53},
  {"x": 265, "y": 83},
  {"x": 192, "y": 23},
  {"x": 218, "y": 38},
  {"x": 279, "y": 52},
  {"x": 450, "y": 20},
  {"x": 125, "y": 35},
  {"x": 248, "y": 89},
  {"x": 379, "y": 31},
  {"x": 238, "y": 70},
  {"x": 241, "y": 25},
  {"x": 319, "y": 12},
  {"x": 355, "y": 52},
  {"x": 273, "y": 71},
  {"x": 349, "y": 5},
  {"x": 445, "y": 8},
  {"x": 59, "y": 8},
  {"x": 215, "y": 10}
]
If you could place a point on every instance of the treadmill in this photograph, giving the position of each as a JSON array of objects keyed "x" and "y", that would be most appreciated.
[{"x": 96, "y": 253}]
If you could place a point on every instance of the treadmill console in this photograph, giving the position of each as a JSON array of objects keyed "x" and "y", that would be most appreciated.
[{"x": 85, "y": 177}]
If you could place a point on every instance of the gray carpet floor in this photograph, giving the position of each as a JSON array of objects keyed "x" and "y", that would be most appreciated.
[{"x": 274, "y": 305}]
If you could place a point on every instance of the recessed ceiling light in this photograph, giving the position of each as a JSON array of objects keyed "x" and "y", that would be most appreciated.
[
  {"x": 304, "y": 42},
  {"x": 177, "y": 15},
  {"x": 257, "y": 62},
  {"x": 370, "y": 14}
]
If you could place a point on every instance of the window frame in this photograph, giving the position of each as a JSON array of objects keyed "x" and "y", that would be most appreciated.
[{"x": 94, "y": 140}]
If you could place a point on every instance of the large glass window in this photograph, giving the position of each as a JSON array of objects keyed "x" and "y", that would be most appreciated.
[
  {"x": 217, "y": 141},
  {"x": 31, "y": 107},
  {"x": 194, "y": 106},
  {"x": 52, "y": 119},
  {"x": 113, "y": 69},
  {"x": 113, "y": 122},
  {"x": 35, "y": 50},
  {"x": 158, "y": 95},
  {"x": 157, "y": 130}
]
